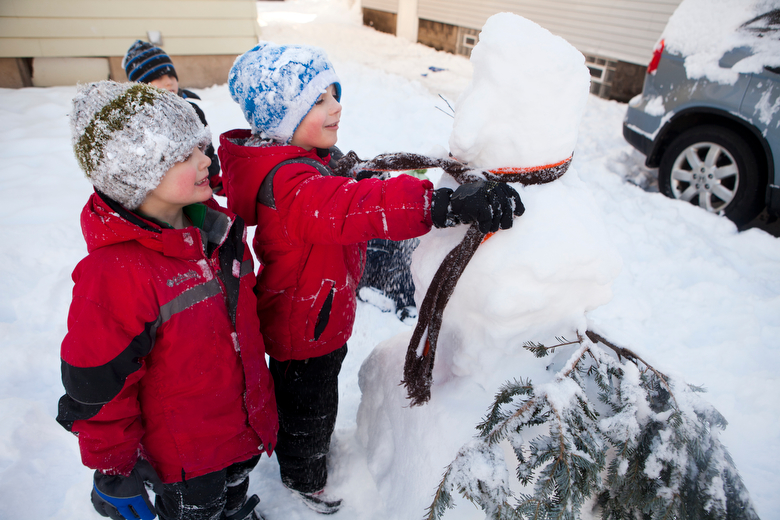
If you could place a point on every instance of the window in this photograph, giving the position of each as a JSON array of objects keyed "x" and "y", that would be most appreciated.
[
  {"x": 467, "y": 39},
  {"x": 602, "y": 71}
]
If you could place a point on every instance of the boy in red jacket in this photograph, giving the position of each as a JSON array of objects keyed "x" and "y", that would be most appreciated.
[
  {"x": 312, "y": 229},
  {"x": 163, "y": 364}
]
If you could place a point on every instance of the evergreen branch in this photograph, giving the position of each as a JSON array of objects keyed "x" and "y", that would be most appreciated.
[
  {"x": 697, "y": 388},
  {"x": 442, "y": 500},
  {"x": 494, "y": 426},
  {"x": 498, "y": 432},
  {"x": 662, "y": 461},
  {"x": 535, "y": 504},
  {"x": 540, "y": 351},
  {"x": 631, "y": 356},
  {"x": 573, "y": 362}
]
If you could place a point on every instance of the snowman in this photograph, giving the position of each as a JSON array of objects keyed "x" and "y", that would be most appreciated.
[{"x": 517, "y": 120}]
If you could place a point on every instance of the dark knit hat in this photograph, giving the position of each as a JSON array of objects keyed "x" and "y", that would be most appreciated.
[
  {"x": 144, "y": 63},
  {"x": 277, "y": 85},
  {"x": 126, "y": 136}
]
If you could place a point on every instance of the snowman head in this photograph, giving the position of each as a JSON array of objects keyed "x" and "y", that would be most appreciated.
[{"x": 523, "y": 106}]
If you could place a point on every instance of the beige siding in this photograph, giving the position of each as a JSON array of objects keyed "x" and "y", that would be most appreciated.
[
  {"x": 389, "y": 6},
  {"x": 81, "y": 28},
  {"x": 618, "y": 29}
]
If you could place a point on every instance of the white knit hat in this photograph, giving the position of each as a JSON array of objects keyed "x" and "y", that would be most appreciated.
[
  {"x": 126, "y": 136},
  {"x": 277, "y": 85}
]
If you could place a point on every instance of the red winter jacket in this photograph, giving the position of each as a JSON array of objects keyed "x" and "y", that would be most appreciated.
[
  {"x": 312, "y": 244},
  {"x": 163, "y": 358}
]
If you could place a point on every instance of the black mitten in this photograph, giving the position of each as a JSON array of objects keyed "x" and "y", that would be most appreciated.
[
  {"x": 492, "y": 205},
  {"x": 125, "y": 498},
  {"x": 440, "y": 209}
]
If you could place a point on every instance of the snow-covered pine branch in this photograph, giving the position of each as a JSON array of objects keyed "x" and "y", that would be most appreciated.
[{"x": 612, "y": 434}]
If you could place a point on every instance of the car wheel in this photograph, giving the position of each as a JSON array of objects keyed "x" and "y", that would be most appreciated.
[{"x": 713, "y": 168}]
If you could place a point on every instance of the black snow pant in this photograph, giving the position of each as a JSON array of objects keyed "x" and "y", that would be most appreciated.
[
  {"x": 307, "y": 398},
  {"x": 206, "y": 497}
]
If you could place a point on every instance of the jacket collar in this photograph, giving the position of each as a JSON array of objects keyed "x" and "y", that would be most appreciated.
[{"x": 105, "y": 222}]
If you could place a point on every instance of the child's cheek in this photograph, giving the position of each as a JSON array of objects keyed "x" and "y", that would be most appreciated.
[
  {"x": 180, "y": 187},
  {"x": 185, "y": 186}
]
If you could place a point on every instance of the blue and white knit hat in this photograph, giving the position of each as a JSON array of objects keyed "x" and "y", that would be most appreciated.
[
  {"x": 144, "y": 63},
  {"x": 277, "y": 85}
]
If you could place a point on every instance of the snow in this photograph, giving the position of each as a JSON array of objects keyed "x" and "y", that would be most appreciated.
[
  {"x": 682, "y": 288},
  {"x": 765, "y": 110},
  {"x": 655, "y": 106},
  {"x": 704, "y": 30}
]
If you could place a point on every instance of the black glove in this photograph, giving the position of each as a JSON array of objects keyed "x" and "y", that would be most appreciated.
[
  {"x": 491, "y": 205},
  {"x": 214, "y": 166},
  {"x": 125, "y": 498},
  {"x": 441, "y": 213}
]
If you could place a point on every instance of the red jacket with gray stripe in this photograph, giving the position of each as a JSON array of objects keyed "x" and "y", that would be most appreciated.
[
  {"x": 163, "y": 358},
  {"x": 312, "y": 244}
]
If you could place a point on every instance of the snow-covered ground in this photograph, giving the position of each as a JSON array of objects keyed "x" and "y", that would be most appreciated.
[{"x": 694, "y": 297}]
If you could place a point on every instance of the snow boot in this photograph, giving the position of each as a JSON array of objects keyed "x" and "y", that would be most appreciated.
[
  {"x": 245, "y": 512},
  {"x": 319, "y": 501}
]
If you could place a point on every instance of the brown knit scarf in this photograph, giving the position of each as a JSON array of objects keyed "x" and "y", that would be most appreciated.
[{"x": 418, "y": 367}]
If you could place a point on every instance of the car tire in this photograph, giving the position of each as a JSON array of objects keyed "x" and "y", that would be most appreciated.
[{"x": 714, "y": 168}]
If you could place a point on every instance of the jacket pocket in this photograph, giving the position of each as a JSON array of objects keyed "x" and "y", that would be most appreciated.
[{"x": 321, "y": 310}]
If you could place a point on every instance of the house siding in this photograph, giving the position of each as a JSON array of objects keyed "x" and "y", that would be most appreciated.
[
  {"x": 624, "y": 30},
  {"x": 202, "y": 37},
  {"x": 389, "y": 6},
  {"x": 81, "y": 28},
  {"x": 616, "y": 36}
]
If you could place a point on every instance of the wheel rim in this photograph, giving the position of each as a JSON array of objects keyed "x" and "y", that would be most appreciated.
[{"x": 707, "y": 175}]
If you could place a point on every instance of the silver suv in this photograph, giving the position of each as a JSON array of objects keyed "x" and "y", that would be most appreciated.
[{"x": 715, "y": 143}]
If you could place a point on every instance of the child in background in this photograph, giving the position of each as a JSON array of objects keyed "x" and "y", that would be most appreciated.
[
  {"x": 145, "y": 63},
  {"x": 388, "y": 275},
  {"x": 163, "y": 363},
  {"x": 312, "y": 229}
]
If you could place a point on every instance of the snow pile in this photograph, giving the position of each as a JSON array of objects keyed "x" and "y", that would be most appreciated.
[
  {"x": 704, "y": 30},
  {"x": 533, "y": 282},
  {"x": 524, "y": 103}
]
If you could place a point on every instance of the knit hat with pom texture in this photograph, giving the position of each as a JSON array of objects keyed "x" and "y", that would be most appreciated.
[
  {"x": 126, "y": 136},
  {"x": 277, "y": 85}
]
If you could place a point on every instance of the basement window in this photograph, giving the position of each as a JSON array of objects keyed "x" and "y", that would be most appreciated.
[
  {"x": 467, "y": 40},
  {"x": 602, "y": 71}
]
